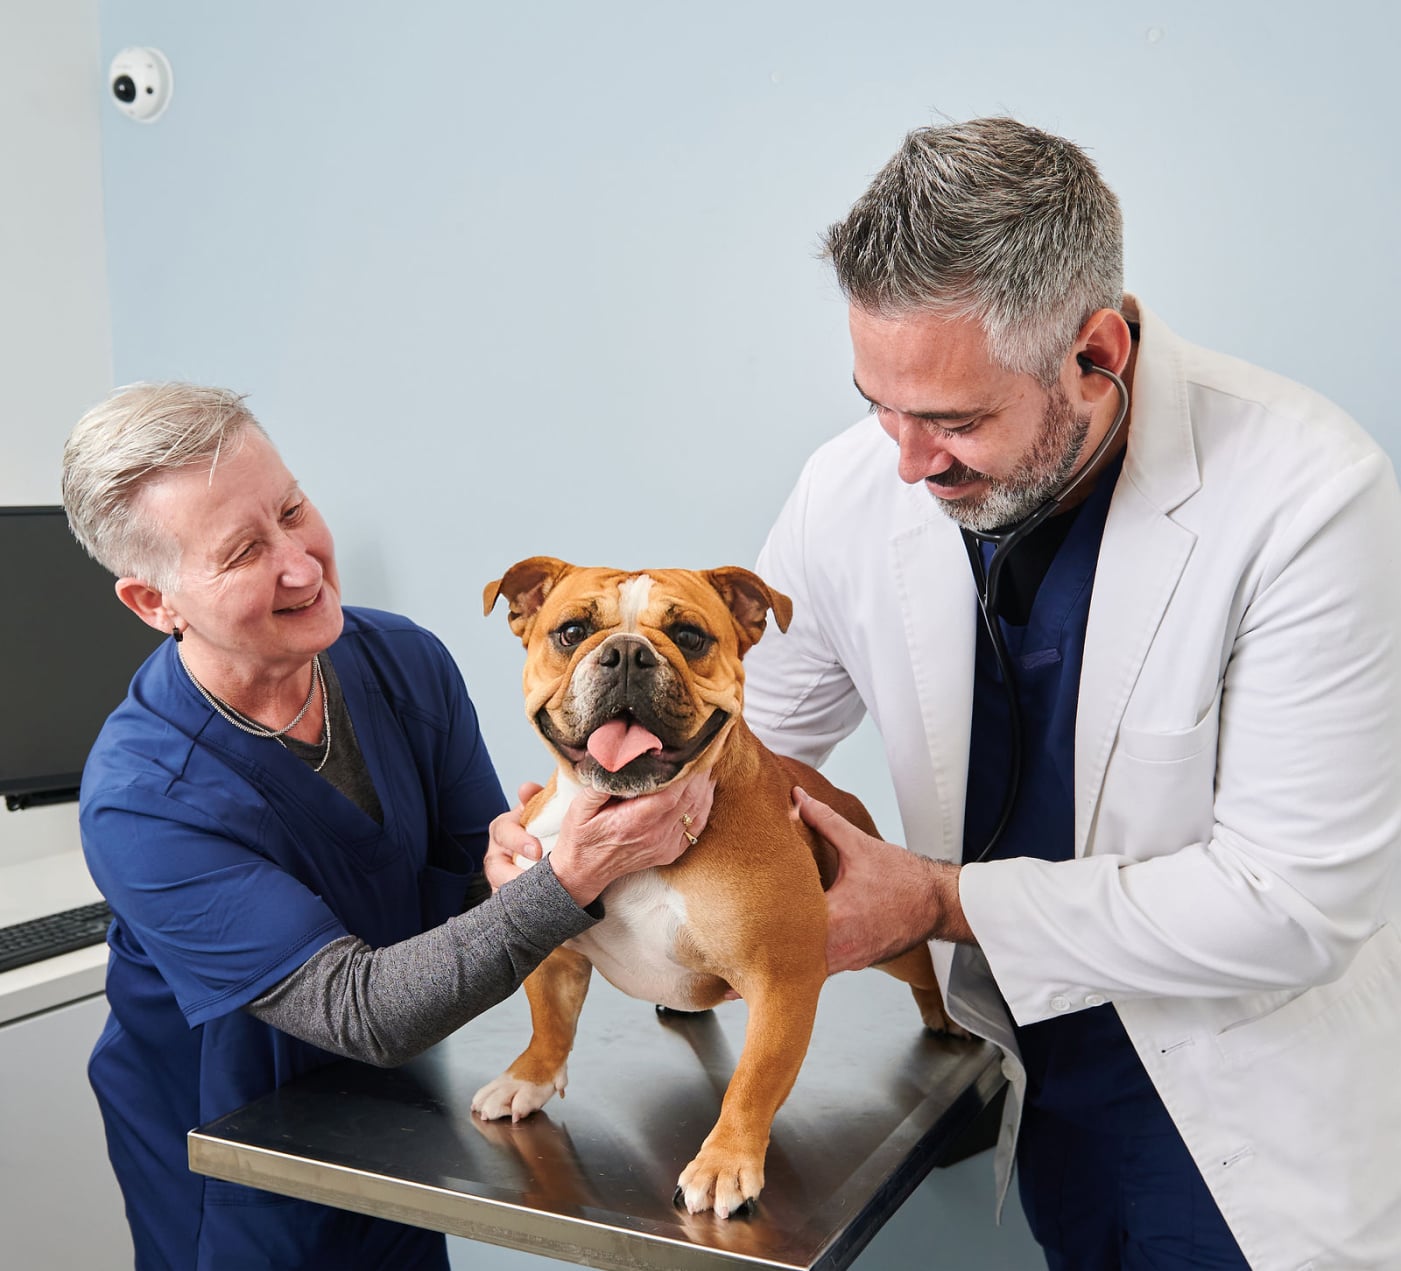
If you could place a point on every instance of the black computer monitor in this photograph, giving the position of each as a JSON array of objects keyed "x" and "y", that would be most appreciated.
[{"x": 68, "y": 649}]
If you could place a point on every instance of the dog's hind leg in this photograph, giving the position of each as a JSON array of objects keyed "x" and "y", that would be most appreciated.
[
  {"x": 915, "y": 968},
  {"x": 556, "y": 989}
]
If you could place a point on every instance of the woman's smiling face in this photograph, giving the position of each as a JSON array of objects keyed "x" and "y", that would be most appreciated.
[{"x": 258, "y": 589}]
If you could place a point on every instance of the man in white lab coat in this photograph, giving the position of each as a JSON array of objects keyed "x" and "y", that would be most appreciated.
[{"x": 1171, "y": 920}]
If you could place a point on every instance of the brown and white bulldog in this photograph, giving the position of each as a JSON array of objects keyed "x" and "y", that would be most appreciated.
[{"x": 634, "y": 681}]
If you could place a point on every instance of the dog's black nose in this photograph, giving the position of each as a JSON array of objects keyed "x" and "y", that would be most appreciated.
[{"x": 627, "y": 652}]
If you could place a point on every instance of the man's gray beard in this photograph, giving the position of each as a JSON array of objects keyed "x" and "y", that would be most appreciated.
[{"x": 1046, "y": 470}]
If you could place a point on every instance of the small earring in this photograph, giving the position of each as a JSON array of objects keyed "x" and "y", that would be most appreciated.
[{"x": 177, "y": 633}]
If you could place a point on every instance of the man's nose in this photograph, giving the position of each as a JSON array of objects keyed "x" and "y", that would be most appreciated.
[{"x": 921, "y": 454}]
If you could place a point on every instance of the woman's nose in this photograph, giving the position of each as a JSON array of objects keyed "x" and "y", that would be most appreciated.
[{"x": 298, "y": 566}]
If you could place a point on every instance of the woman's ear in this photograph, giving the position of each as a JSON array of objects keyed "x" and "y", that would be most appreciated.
[{"x": 146, "y": 603}]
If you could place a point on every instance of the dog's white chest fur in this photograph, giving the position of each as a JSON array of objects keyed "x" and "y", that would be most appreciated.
[{"x": 633, "y": 947}]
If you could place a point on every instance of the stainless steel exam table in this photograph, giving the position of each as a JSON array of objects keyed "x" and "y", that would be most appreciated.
[{"x": 590, "y": 1178}]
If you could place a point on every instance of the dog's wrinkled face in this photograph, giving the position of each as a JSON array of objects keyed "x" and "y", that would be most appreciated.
[{"x": 634, "y": 679}]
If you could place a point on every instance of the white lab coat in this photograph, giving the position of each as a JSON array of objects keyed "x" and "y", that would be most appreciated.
[{"x": 1237, "y": 774}]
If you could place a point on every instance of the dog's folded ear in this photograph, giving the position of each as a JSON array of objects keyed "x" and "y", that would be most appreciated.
[
  {"x": 525, "y": 586},
  {"x": 749, "y": 599}
]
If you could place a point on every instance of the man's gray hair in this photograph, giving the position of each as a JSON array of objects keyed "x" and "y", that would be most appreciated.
[
  {"x": 139, "y": 434},
  {"x": 990, "y": 220}
]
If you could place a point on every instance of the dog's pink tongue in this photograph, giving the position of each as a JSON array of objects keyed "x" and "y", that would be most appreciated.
[{"x": 618, "y": 742}]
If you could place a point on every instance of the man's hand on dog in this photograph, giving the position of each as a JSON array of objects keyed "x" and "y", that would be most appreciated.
[
  {"x": 885, "y": 899},
  {"x": 603, "y": 838}
]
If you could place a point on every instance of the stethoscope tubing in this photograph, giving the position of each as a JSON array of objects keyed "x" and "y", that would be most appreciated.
[{"x": 988, "y": 583}]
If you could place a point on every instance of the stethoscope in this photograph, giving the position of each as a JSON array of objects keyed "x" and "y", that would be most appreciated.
[{"x": 1004, "y": 542}]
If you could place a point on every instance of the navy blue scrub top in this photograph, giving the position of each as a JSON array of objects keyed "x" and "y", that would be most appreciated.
[
  {"x": 1081, "y": 1066},
  {"x": 228, "y": 862}
]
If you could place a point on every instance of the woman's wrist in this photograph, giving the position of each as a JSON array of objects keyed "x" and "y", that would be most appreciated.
[{"x": 582, "y": 884}]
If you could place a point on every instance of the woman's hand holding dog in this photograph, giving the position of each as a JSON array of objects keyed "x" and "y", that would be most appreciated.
[{"x": 603, "y": 838}]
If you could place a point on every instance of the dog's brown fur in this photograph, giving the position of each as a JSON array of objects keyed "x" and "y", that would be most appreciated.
[{"x": 752, "y": 886}]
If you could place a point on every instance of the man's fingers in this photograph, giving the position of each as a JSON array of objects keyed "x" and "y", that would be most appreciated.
[
  {"x": 527, "y": 791},
  {"x": 819, "y": 816}
]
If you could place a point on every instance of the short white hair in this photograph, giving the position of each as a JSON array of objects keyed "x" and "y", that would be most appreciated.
[{"x": 137, "y": 435}]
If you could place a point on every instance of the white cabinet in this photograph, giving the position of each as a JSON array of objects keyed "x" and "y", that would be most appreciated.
[{"x": 60, "y": 1207}]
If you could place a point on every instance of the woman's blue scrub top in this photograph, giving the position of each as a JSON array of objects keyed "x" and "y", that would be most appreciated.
[{"x": 228, "y": 862}]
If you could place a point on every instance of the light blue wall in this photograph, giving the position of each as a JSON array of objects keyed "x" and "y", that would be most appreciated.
[{"x": 540, "y": 277}]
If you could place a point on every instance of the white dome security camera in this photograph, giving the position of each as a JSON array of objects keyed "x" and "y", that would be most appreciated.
[{"x": 141, "y": 82}]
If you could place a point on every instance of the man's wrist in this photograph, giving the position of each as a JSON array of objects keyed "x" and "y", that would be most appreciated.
[{"x": 950, "y": 924}]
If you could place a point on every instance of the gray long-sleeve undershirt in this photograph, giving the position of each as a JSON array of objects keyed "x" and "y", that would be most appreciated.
[{"x": 384, "y": 1006}]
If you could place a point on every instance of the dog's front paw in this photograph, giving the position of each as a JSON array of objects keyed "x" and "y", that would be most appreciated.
[
  {"x": 725, "y": 1181},
  {"x": 509, "y": 1096}
]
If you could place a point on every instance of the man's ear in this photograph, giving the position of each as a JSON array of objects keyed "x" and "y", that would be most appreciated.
[
  {"x": 146, "y": 603},
  {"x": 525, "y": 586},
  {"x": 749, "y": 599},
  {"x": 1104, "y": 341}
]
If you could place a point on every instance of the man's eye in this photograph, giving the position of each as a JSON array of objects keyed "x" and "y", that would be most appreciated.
[
  {"x": 293, "y": 512},
  {"x": 571, "y": 634},
  {"x": 690, "y": 640}
]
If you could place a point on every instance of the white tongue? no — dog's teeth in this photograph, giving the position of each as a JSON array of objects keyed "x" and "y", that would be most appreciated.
[{"x": 618, "y": 742}]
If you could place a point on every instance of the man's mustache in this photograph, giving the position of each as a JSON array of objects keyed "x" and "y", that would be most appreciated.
[{"x": 959, "y": 474}]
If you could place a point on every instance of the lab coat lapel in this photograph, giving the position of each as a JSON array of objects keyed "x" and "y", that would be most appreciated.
[
  {"x": 1141, "y": 559},
  {"x": 938, "y": 606}
]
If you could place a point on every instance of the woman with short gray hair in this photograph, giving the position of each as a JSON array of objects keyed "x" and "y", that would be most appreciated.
[{"x": 287, "y": 815}]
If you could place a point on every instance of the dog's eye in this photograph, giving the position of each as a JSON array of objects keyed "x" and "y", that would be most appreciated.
[
  {"x": 690, "y": 640},
  {"x": 570, "y": 634}
]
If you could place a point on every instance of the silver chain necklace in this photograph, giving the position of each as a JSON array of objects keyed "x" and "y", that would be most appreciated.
[{"x": 255, "y": 729}]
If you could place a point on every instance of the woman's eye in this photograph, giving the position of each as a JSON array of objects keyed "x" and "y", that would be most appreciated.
[{"x": 570, "y": 634}]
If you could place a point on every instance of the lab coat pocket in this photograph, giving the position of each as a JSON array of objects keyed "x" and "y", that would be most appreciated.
[
  {"x": 1173, "y": 746},
  {"x": 1365, "y": 990},
  {"x": 1160, "y": 788}
]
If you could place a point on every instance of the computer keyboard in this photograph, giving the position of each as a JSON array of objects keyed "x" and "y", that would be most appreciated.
[{"x": 47, "y": 937}]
